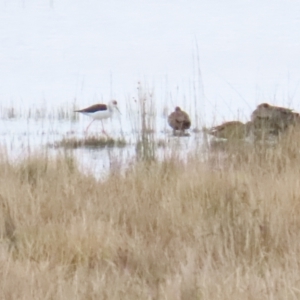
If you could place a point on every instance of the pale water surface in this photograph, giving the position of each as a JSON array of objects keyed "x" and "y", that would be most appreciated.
[{"x": 227, "y": 55}]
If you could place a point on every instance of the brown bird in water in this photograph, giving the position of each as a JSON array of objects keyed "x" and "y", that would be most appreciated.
[
  {"x": 233, "y": 130},
  {"x": 179, "y": 120},
  {"x": 273, "y": 119}
]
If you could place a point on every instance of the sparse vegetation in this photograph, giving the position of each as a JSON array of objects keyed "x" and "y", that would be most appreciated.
[
  {"x": 41, "y": 112},
  {"x": 89, "y": 142},
  {"x": 145, "y": 144},
  {"x": 224, "y": 228}
]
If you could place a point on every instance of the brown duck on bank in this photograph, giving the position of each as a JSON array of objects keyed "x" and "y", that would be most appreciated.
[
  {"x": 233, "y": 130},
  {"x": 273, "y": 119},
  {"x": 179, "y": 120}
]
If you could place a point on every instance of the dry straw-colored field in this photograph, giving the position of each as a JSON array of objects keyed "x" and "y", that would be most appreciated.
[{"x": 226, "y": 228}]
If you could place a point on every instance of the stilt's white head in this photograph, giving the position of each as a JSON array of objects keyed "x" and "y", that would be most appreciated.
[{"x": 114, "y": 105}]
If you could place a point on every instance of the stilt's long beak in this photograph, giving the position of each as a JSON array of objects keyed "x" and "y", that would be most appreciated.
[{"x": 118, "y": 109}]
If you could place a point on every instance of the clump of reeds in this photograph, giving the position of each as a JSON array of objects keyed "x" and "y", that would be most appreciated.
[
  {"x": 145, "y": 144},
  {"x": 90, "y": 142},
  {"x": 9, "y": 112}
]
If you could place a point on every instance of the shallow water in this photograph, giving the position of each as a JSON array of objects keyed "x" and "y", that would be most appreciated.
[
  {"x": 216, "y": 60},
  {"x": 52, "y": 52},
  {"x": 21, "y": 137}
]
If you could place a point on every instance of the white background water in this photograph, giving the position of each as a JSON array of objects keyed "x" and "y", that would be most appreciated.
[{"x": 54, "y": 51}]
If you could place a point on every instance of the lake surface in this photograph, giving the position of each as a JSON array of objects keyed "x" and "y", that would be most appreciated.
[
  {"x": 92, "y": 50},
  {"x": 23, "y": 137},
  {"x": 216, "y": 59}
]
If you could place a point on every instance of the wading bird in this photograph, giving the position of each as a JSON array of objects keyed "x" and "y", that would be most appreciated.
[
  {"x": 274, "y": 119},
  {"x": 100, "y": 112},
  {"x": 179, "y": 120},
  {"x": 233, "y": 130}
]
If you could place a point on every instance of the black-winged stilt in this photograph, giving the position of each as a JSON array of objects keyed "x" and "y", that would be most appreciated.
[{"x": 100, "y": 112}]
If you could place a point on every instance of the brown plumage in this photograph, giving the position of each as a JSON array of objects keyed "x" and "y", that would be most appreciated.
[
  {"x": 93, "y": 108},
  {"x": 232, "y": 130},
  {"x": 266, "y": 110},
  {"x": 179, "y": 120},
  {"x": 273, "y": 119}
]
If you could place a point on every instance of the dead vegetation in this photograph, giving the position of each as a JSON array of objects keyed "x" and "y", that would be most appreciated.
[
  {"x": 91, "y": 141},
  {"x": 227, "y": 228}
]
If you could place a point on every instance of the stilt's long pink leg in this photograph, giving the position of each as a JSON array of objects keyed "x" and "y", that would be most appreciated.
[
  {"x": 89, "y": 126},
  {"x": 103, "y": 131}
]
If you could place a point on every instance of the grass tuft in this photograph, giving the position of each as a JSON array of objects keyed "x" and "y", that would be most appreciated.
[{"x": 90, "y": 142}]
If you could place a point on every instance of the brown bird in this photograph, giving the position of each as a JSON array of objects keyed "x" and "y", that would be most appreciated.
[
  {"x": 179, "y": 120},
  {"x": 273, "y": 119},
  {"x": 233, "y": 130}
]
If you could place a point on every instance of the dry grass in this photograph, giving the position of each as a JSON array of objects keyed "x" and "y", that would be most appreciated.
[{"x": 164, "y": 230}]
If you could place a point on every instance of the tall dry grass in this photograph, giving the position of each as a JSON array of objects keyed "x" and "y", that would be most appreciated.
[
  {"x": 227, "y": 228},
  {"x": 146, "y": 145}
]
